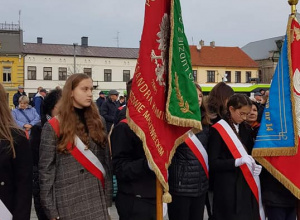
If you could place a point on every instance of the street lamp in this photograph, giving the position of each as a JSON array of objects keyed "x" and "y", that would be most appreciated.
[{"x": 75, "y": 44}]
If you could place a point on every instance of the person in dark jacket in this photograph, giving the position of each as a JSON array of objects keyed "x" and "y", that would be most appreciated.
[
  {"x": 188, "y": 181},
  {"x": 39, "y": 99},
  {"x": 15, "y": 165},
  {"x": 18, "y": 94},
  {"x": 49, "y": 109},
  {"x": 100, "y": 100},
  {"x": 136, "y": 194},
  {"x": 109, "y": 108},
  {"x": 233, "y": 198}
]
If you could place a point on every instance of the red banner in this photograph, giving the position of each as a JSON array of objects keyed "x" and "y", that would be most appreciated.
[{"x": 146, "y": 110}]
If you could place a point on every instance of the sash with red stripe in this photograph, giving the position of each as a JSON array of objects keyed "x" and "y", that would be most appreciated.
[
  {"x": 237, "y": 150},
  {"x": 83, "y": 155},
  {"x": 199, "y": 151}
]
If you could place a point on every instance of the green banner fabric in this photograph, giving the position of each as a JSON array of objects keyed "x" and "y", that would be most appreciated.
[{"x": 182, "y": 109}]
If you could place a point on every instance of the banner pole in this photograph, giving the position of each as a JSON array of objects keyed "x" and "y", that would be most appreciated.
[{"x": 159, "y": 204}]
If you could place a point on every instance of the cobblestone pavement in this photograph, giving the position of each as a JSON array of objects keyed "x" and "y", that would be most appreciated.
[{"x": 113, "y": 214}]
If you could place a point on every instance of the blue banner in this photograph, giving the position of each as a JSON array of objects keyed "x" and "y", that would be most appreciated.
[{"x": 276, "y": 136}]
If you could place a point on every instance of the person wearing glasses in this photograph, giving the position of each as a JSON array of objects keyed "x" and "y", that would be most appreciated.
[{"x": 233, "y": 197}]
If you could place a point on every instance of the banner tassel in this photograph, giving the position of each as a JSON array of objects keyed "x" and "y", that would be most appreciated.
[{"x": 167, "y": 198}]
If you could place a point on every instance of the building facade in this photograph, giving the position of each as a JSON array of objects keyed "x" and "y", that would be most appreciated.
[
  {"x": 11, "y": 59},
  {"x": 266, "y": 53},
  {"x": 49, "y": 65},
  {"x": 212, "y": 64}
]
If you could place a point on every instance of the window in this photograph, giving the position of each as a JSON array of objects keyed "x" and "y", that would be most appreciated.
[
  {"x": 228, "y": 76},
  {"x": 248, "y": 76},
  {"x": 6, "y": 74},
  {"x": 107, "y": 75},
  {"x": 47, "y": 73},
  {"x": 126, "y": 75},
  {"x": 195, "y": 75},
  {"x": 62, "y": 73},
  {"x": 237, "y": 76},
  {"x": 210, "y": 76},
  {"x": 88, "y": 71},
  {"x": 31, "y": 71}
]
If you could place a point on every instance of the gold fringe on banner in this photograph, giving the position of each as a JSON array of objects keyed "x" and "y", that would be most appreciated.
[
  {"x": 288, "y": 150},
  {"x": 272, "y": 151},
  {"x": 291, "y": 17},
  {"x": 174, "y": 120},
  {"x": 281, "y": 178},
  {"x": 167, "y": 198}
]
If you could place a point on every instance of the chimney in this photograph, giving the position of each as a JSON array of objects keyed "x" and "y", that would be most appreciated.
[
  {"x": 201, "y": 43},
  {"x": 212, "y": 44},
  {"x": 39, "y": 40},
  {"x": 84, "y": 41}
]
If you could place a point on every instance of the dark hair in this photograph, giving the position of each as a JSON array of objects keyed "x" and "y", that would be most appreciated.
[
  {"x": 49, "y": 102},
  {"x": 205, "y": 116},
  {"x": 237, "y": 101},
  {"x": 217, "y": 98},
  {"x": 128, "y": 88}
]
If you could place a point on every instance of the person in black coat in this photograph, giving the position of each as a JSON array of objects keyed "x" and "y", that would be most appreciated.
[
  {"x": 109, "y": 108},
  {"x": 136, "y": 194},
  {"x": 188, "y": 181},
  {"x": 15, "y": 165},
  {"x": 48, "y": 110},
  {"x": 233, "y": 198},
  {"x": 17, "y": 95},
  {"x": 100, "y": 100}
]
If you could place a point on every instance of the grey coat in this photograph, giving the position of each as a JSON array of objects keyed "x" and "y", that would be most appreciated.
[{"x": 68, "y": 190}]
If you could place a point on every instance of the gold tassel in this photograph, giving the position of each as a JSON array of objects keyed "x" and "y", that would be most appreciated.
[{"x": 167, "y": 198}]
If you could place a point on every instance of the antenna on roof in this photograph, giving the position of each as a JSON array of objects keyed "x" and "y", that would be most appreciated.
[
  {"x": 19, "y": 19},
  {"x": 117, "y": 38}
]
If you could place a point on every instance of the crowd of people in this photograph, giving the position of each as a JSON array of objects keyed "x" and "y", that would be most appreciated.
[{"x": 63, "y": 149}]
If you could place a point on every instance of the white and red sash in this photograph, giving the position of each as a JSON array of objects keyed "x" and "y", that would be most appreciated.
[
  {"x": 199, "y": 151},
  {"x": 4, "y": 212},
  {"x": 82, "y": 154},
  {"x": 237, "y": 150}
]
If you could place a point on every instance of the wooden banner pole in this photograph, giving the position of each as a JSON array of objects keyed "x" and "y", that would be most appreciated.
[{"x": 159, "y": 203}]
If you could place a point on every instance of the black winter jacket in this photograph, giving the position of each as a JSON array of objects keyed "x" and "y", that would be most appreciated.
[
  {"x": 186, "y": 174},
  {"x": 129, "y": 162},
  {"x": 16, "y": 176},
  {"x": 108, "y": 112}
]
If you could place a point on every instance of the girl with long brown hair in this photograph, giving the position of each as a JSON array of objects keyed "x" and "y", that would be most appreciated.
[
  {"x": 15, "y": 165},
  {"x": 74, "y": 166}
]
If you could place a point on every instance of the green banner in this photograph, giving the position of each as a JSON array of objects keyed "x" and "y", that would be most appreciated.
[{"x": 182, "y": 104}]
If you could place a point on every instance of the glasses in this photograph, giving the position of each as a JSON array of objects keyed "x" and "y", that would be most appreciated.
[{"x": 243, "y": 114}]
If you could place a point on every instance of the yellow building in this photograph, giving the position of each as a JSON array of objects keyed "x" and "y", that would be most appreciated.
[
  {"x": 11, "y": 74},
  {"x": 11, "y": 59},
  {"x": 213, "y": 64}
]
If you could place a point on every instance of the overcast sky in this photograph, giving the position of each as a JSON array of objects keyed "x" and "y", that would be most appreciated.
[{"x": 227, "y": 22}]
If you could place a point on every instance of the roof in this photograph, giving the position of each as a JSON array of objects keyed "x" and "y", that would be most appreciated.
[
  {"x": 260, "y": 50},
  {"x": 89, "y": 51},
  {"x": 221, "y": 57}
]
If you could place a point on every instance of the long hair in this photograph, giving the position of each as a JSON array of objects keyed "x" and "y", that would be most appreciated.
[
  {"x": 70, "y": 123},
  {"x": 7, "y": 122},
  {"x": 205, "y": 115},
  {"x": 217, "y": 98}
]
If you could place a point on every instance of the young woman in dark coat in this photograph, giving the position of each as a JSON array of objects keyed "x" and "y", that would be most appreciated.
[
  {"x": 233, "y": 198},
  {"x": 15, "y": 165},
  {"x": 187, "y": 179}
]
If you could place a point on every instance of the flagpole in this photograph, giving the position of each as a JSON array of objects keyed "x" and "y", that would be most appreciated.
[
  {"x": 293, "y": 4},
  {"x": 159, "y": 204}
]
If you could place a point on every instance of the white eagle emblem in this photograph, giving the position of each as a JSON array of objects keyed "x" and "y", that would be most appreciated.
[{"x": 160, "y": 60}]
